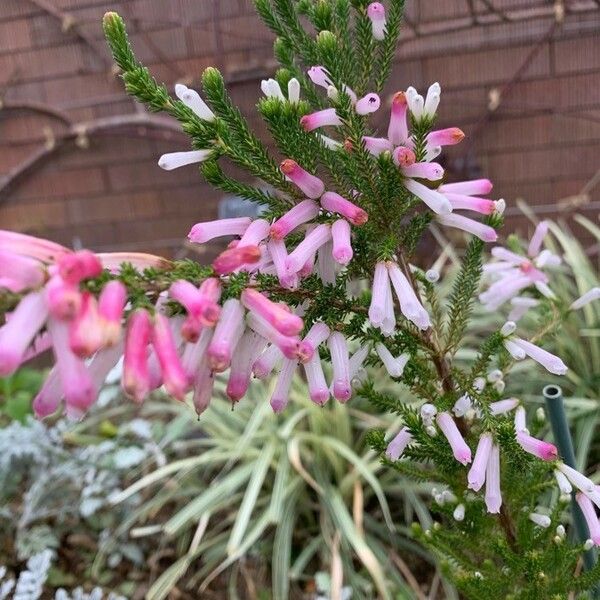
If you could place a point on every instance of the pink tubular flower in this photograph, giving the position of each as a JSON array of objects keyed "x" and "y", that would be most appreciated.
[
  {"x": 257, "y": 231},
  {"x": 18, "y": 273},
  {"x": 63, "y": 299},
  {"x": 367, "y": 104},
  {"x": 320, "y": 118},
  {"x": 503, "y": 406},
  {"x": 77, "y": 266},
  {"x": 540, "y": 448},
  {"x": 437, "y": 202},
  {"x": 537, "y": 238},
  {"x": 381, "y": 287},
  {"x": 398, "y": 127},
  {"x": 203, "y": 388},
  {"x": 33, "y": 247},
  {"x": 481, "y": 230},
  {"x": 266, "y": 362},
  {"x": 227, "y": 334},
  {"x": 462, "y": 452},
  {"x": 463, "y": 202},
  {"x": 476, "y": 476},
  {"x": 19, "y": 331},
  {"x": 310, "y": 185},
  {"x": 281, "y": 393},
  {"x": 424, "y": 170},
  {"x": 320, "y": 235},
  {"x": 316, "y": 335},
  {"x": 248, "y": 348},
  {"x": 174, "y": 160},
  {"x": 319, "y": 76},
  {"x": 342, "y": 246},
  {"x": 289, "y": 345},
  {"x": 376, "y": 13},
  {"x": 475, "y": 187},
  {"x": 410, "y": 305},
  {"x": 209, "y": 230},
  {"x": 174, "y": 378},
  {"x": 317, "y": 386},
  {"x": 279, "y": 255},
  {"x": 445, "y": 137},
  {"x": 75, "y": 380},
  {"x": 398, "y": 444},
  {"x": 549, "y": 361},
  {"x": 338, "y": 347},
  {"x": 194, "y": 353},
  {"x": 335, "y": 203},
  {"x": 377, "y": 146},
  {"x": 404, "y": 157},
  {"x": 136, "y": 377},
  {"x": 493, "y": 494},
  {"x": 303, "y": 212},
  {"x": 211, "y": 292},
  {"x": 48, "y": 398},
  {"x": 111, "y": 304},
  {"x": 86, "y": 331},
  {"x": 233, "y": 258},
  {"x": 591, "y": 518},
  {"x": 281, "y": 318}
]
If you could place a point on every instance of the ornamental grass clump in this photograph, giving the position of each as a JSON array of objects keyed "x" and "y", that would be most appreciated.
[{"x": 327, "y": 275}]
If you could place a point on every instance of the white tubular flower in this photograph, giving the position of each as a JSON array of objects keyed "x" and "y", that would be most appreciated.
[{"x": 540, "y": 520}]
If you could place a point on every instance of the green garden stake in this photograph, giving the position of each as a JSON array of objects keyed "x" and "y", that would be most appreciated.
[{"x": 564, "y": 442}]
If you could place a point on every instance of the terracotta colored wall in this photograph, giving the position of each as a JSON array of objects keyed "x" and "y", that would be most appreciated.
[{"x": 541, "y": 143}]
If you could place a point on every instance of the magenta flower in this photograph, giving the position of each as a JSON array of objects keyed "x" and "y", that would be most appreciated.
[
  {"x": 281, "y": 392},
  {"x": 246, "y": 352},
  {"x": 174, "y": 378},
  {"x": 398, "y": 127},
  {"x": 539, "y": 448},
  {"x": 86, "y": 331},
  {"x": 111, "y": 305},
  {"x": 136, "y": 377},
  {"x": 233, "y": 258},
  {"x": 19, "y": 273},
  {"x": 277, "y": 315}
]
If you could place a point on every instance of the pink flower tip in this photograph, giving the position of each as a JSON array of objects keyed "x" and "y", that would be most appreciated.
[{"x": 233, "y": 258}]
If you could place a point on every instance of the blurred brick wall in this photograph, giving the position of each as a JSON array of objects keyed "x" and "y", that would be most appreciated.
[{"x": 541, "y": 143}]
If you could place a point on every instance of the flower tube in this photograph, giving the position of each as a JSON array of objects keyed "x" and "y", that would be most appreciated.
[
  {"x": 174, "y": 160},
  {"x": 310, "y": 185},
  {"x": 398, "y": 127},
  {"x": 342, "y": 247},
  {"x": 539, "y": 448},
  {"x": 209, "y": 230},
  {"x": 18, "y": 333},
  {"x": 174, "y": 377},
  {"x": 338, "y": 347},
  {"x": 335, "y": 203},
  {"x": 320, "y": 118},
  {"x": 493, "y": 494},
  {"x": 376, "y": 13},
  {"x": 462, "y": 452},
  {"x": 320, "y": 235},
  {"x": 227, "y": 333},
  {"x": 301, "y": 213},
  {"x": 398, "y": 444},
  {"x": 284, "y": 321},
  {"x": 476, "y": 476},
  {"x": 317, "y": 386}
]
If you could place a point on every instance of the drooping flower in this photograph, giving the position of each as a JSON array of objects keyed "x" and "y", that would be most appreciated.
[
  {"x": 477, "y": 472},
  {"x": 398, "y": 444},
  {"x": 591, "y": 518},
  {"x": 410, "y": 305},
  {"x": 493, "y": 494},
  {"x": 539, "y": 448},
  {"x": 460, "y": 449},
  {"x": 393, "y": 365}
]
